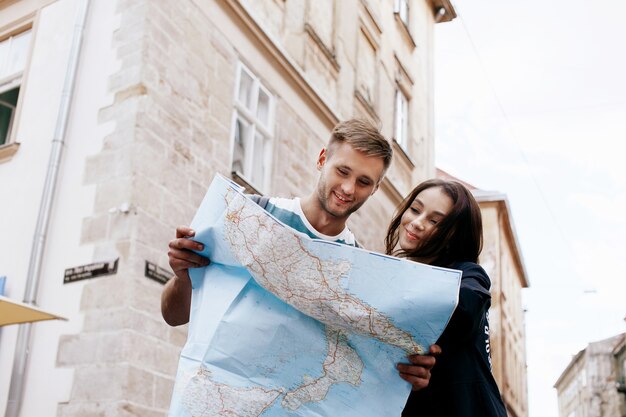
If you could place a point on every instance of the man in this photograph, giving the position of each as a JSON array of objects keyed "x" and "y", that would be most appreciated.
[{"x": 351, "y": 168}]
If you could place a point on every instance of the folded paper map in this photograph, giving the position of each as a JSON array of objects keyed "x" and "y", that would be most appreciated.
[{"x": 285, "y": 325}]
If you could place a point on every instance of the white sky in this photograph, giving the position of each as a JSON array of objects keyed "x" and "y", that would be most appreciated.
[{"x": 530, "y": 100}]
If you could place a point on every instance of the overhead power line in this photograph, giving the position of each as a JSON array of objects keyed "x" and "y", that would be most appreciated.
[{"x": 513, "y": 135}]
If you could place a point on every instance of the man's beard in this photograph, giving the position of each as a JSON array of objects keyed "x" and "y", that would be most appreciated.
[{"x": 324, "y": 203}]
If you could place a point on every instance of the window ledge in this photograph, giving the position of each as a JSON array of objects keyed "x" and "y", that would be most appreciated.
[
  {"x": 240, "y": 179},
  {"x": 397, "y": 148},
  {"x": 391, "y": 190},
  {"x": 328, "y": 53},
  {"x": 405, "y": 30},
  {"x": 369, "y": 107},
  {"x": 8, "y": 150}
]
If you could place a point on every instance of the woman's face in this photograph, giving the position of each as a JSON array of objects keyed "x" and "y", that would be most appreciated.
[{"x": 420, "y": 220}]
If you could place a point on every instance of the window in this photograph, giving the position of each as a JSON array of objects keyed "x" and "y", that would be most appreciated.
[
  {"x": 13, "y": 56},
  {"x": 402, "y": 9},
  {"x": 253, "y": 122},
  {"x": 401, "y": 124}
]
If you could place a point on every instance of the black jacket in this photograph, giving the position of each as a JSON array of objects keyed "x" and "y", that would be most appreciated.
[{"x": 461, "y": 383}]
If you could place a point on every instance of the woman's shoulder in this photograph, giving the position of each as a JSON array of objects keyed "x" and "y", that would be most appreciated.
[
  {"x": 469, "y": 267},
  {"x": 473, "y": 272}
]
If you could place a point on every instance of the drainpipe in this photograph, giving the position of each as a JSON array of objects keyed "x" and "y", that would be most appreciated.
[{"x": 22, "y": 347}]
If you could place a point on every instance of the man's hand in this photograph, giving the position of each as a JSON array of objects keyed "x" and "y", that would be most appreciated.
[
  {"x": 417, "y": 373},
  {"x": 181, "y": 255},
  {"x": 176, "y": 296}
]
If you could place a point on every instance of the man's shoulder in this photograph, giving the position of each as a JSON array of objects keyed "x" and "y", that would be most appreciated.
[
  {"x": 261, "y": 200},
  {"x": 289, "y": 211},
  {"x": 285, "y": 203},
  {"x": 268, "y": 202}
]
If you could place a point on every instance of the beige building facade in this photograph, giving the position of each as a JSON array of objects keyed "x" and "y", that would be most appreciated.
[
  {"x": 501, "y": 257},
  {"x": 114, "y": 117},
  {"x": 592, "y": 384},
  {"x": 619, "y": 353}
]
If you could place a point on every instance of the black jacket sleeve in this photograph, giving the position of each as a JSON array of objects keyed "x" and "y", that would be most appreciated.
[{"x": 474, "y": 301}]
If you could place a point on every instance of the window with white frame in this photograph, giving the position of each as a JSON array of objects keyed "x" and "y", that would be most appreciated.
[
  {"x": 13, "y": 57},
  {"x": 402, "y": 9},
  {"x": 253, "y": 127},
  {"x": 401, "y": 125}
]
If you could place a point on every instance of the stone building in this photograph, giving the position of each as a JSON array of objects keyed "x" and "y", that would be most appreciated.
[
  {"x": 592, "y": 385},
  {"x": 619, "y": 352},
  {"x": 115, "y": 116},
  {"x": 502, "y": 259}
]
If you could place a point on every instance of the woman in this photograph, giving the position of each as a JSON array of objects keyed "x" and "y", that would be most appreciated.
[{"x": 440, "y": 224}]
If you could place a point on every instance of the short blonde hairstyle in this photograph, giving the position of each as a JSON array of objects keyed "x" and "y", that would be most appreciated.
[{"x": 362, "y": 136}]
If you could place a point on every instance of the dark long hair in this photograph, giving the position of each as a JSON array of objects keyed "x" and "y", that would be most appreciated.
[{"x": 458, "y": 237}]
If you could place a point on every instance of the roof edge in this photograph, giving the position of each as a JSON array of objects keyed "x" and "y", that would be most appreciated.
[
  {"x": 448, "y": 13},
  {"x": 482, "y": 196}
]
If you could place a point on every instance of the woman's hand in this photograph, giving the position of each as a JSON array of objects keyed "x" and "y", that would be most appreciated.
[{"x": 417, "y": 373}]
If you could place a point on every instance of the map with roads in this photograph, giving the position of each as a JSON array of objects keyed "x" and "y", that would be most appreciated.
[{"x": 285, "y": 325}]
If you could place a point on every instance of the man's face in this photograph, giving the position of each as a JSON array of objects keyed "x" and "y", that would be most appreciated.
[{"x": 348, "y": 177}]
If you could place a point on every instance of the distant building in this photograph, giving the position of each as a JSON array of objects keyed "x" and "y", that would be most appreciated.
[
  {"x": 619, "y": 352},
  {"x": 592, "y": 385},
  {"x": 118, "y": 121},
  {"x": 501, "y": 258}
]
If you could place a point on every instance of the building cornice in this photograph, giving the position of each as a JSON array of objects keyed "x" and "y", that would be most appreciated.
[
  {"x": 446, "y": 6},
  {"x": 613, "y": 342},
  {"x": 501, "y": 199},
  {"x": 571, "y": 364}
]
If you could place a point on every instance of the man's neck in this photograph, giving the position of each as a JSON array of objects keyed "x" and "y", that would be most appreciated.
[{"x": 324, "y": 222}]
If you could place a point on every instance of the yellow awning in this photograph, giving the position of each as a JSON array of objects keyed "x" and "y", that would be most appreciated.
[{"x": 13, "y": 312}]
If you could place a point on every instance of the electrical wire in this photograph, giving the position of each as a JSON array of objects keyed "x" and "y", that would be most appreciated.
[{"x": 513, "y": 137}]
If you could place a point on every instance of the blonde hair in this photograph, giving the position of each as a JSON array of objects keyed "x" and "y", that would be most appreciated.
[{"x": 362, "y": 136}]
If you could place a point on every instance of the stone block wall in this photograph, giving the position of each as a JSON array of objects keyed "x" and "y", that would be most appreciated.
[
  {"x": 157, "y": 160},
  {"x": 173, "y": 113}
]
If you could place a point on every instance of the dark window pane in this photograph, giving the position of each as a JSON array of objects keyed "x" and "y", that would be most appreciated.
[{"x": 8, "y": 102}]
